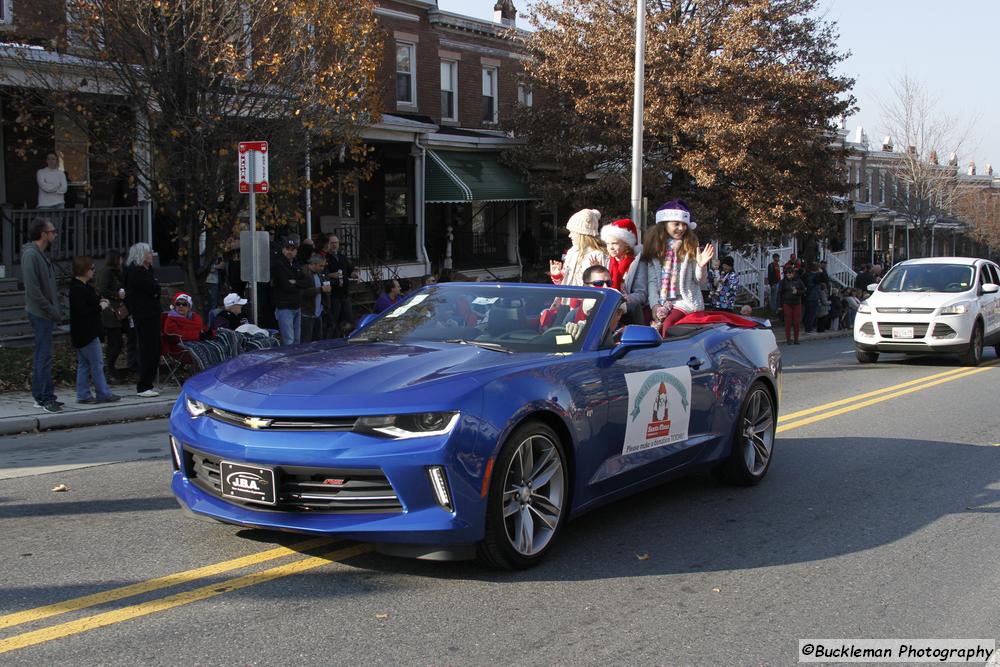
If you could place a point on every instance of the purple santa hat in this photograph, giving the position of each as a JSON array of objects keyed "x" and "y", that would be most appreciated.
[{"x": 676, "y": 210}]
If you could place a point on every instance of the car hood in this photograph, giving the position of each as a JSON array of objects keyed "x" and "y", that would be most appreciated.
[
  {"x": 916, "y": 299},
  {"x": 337, "y": 368}
]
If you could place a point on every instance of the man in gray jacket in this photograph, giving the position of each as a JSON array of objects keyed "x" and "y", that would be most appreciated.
[{"x": 41, "y": 300}]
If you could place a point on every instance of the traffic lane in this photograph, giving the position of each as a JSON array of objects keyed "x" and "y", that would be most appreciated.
[
  {"x": 827, "y": 370},
  {"x": 68, "y": 449},
  {"x": 886, "y": 533},
  {"x": 117, "y": 524}
]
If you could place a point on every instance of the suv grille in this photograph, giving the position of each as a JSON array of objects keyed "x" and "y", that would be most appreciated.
[
  {"x": 305, "y": 489},
  {"x": 911, "y": 311},
  {"x": 919, "y": 329}
]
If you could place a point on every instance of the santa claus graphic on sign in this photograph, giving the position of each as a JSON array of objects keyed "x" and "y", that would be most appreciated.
[{"x": 659, "y": 424}]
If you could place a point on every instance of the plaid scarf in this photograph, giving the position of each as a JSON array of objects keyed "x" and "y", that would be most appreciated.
[{"x": 670, "y": 273}]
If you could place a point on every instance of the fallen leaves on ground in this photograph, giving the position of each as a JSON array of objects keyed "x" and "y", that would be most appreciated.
[{"x": 60, "y": 487}]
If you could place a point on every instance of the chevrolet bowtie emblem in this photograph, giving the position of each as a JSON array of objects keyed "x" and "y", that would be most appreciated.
[{"x": 256, "y": 422}]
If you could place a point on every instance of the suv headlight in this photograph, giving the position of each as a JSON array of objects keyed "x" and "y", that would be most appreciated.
[
  {"x": 195, "y": 408},
  {"x": 399, "y": 427},
  {"x": 955, "y": 309},
  {"x": 864, "y": 307}
]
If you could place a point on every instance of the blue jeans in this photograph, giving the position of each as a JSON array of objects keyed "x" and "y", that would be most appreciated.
[
  {"x": 90, "y": 365},
  {"x": 42, "y": 388},
  {"x": 289, "y": 324},
  {"x": 775, "y": 290}
]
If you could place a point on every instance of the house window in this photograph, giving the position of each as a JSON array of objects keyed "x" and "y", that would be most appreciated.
[
  {"x": 406, "y": 83},
  {"x": 524, "y": 94},
  {"x": 490, "y": 94},
  {"x": 871, "y": 184},
  {"x": 449, "y": 90}
]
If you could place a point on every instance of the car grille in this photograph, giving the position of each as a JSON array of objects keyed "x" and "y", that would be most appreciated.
[
  {"x": 303, "y": 489},
  {"x": 943, "y": 331},
  {"x": 919, "y": 329},
  {"x": 911, "y": 311},
  {"x": 282, "y": 423}
]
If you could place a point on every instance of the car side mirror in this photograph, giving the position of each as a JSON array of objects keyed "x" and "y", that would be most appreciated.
[
  {"x": 634, "y": 337},
  {"x": 871, "y": 287},
  {"x": 991, "y": 288},
  {"x": 363, "y": 322}
]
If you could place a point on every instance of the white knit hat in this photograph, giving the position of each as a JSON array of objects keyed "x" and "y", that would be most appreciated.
[{"x": 585, "y": 221}]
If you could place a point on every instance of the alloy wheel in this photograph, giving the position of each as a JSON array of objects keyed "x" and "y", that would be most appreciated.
[
  {"x": 534, "y": 493},
  {"x": 757, "y": 431}
]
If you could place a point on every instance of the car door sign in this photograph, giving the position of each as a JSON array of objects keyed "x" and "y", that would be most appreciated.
[{"x": 659, "y": 408}]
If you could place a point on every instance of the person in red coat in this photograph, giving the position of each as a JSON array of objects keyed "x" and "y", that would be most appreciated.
[{"x": 182, "y": 320}]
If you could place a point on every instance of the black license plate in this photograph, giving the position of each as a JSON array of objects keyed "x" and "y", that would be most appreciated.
[{"x": 248, "y": 482}]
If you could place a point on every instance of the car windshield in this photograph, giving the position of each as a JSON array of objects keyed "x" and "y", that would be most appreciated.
[
  {"x": 504, "y": 318},
  {"x": 928, "y": 278}
]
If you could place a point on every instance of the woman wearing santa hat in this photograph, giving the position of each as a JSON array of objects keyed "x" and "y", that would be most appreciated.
[
  {"x": 628, "y": 273},
  {"x": 676, "y": 266},
  {"x": 588, "y": 250}
]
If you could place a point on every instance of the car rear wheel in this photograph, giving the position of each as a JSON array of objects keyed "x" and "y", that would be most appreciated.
[
  {"x": 865, "y": 357},
  {"x": 528, "y": 499},
  {"x": 753, "y": 439},
  {"x": 974, "y": 354}
]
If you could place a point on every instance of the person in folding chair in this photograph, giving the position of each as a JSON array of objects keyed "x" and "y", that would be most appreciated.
[{"x": 181, "y": 323}]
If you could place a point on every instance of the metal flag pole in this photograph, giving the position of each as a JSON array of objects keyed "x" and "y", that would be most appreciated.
[{"x": 637, "y": 109}]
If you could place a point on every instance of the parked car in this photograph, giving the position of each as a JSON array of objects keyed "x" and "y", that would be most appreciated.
[
  {"x": 473, "y": 419},
  {"x": 932, "y": 306}
]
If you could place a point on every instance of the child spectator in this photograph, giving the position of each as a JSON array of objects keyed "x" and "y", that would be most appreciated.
[{"x": 85, "y": 332}]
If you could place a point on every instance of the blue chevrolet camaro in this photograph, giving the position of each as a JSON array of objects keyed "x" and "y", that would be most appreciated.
[{"x": 473, "y": 419}]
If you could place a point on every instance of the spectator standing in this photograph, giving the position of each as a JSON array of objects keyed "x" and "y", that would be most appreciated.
[
  {"x": 793, "y": 260},
  {"x": 812, "y": 282},
  {"x": 729, "y": 285},
  {"x": 340, "y": 272},
  {"x": 836, "y": 309},
  {"x": 286, "y": 281},
  {"x": 864, "y": 278},
  {"x": 823, "y": 308},
  {"x": 231, "y": 316},
  {"x": 774, "y": 282},
  {"x": 214, "y": 280},
  {"x": 142, "y": 297},
  {"x": 85, "y": 331},
  {"x": 315, "y": 295},
  {"x": 851, "y": 305},
  {"x": 52, "y": 185},
  {"x": 41, "y": 301},
  {"x": 110, "y": 287},
  {"x": 389, "y": 297},
  {"x": 792, "y": 291},
  {"x": 627, "y": 271}
]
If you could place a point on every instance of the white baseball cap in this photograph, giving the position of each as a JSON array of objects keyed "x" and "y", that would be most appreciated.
[{"x": 233, "y": 299}]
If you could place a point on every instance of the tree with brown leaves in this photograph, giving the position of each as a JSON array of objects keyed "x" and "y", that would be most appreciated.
[
  {"x": 165, "y": 89},
  {"x": 741, "y": 99}
]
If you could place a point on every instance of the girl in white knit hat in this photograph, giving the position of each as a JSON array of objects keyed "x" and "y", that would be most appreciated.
[{"x": 588, "y": 249}]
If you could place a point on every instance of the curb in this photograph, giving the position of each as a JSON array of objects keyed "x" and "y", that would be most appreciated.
[{"x": 73, "y": 418}]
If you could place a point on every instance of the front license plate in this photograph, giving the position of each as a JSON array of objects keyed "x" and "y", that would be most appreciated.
[
  {"x": 248, "y": 482},
  {"x": 902, "y": 332}
]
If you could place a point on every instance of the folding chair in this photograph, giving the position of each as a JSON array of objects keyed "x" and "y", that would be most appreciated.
[{"x": 174, "y": 357}]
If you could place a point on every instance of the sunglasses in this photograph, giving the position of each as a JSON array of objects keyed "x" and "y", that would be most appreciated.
[
  {"x": 601, "y": 283},
  {"x": 182, "y": 303}
]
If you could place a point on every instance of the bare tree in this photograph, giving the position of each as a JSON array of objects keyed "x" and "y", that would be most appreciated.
[{"x": 927, "y": 189}]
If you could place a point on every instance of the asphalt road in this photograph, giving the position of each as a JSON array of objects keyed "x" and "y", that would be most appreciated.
[{"x": 878, "y": 519}]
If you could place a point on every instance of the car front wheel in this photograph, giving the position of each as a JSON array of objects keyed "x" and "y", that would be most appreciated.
[
  {"x": 865, "y": 357},
  {"x": 974, "y": 354},
  {"x": 528, "y": 498}
]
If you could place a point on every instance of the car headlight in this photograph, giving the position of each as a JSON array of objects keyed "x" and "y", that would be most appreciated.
[
  {"x": 955, "y": 309},
  {"x": 195, "y": 408},
  {"x": 864, "y": 307},
  {"x": 399, "y": 427}
]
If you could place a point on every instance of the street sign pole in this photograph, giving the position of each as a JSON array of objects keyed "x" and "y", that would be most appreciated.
[
  {"x": 253, "y": 236},
  {"x": 638, "y": 102}
]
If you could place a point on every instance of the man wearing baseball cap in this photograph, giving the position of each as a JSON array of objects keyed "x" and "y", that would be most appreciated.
[
  {"x": 231, "y": 316},
  {"x": 286, "y": 285},
  {"x": 182, "y": 320}
]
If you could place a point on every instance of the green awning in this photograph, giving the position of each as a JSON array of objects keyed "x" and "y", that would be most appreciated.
[{"x": 458, "y": 176}]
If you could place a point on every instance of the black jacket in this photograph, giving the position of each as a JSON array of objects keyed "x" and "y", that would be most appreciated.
[
  {"x": 786, "y": 291},
  {"x": 339, "y": 262},
  {"x": 84, "y": 314},
  {"x": 286, "y": 283},
  {"x": 142, "y": 292}
]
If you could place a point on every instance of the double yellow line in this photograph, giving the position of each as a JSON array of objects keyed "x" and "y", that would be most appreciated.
[
  {"x": 137, "y": 610},
  {"x": 129, "y": 612},
  {"x": 852, "y": 403}
]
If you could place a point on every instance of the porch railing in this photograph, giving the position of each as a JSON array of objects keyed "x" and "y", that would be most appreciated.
[
  {"x": 839, "y": 269},
  {"x": 81, "y": 231},
  {"x": 751, "y": 276}
]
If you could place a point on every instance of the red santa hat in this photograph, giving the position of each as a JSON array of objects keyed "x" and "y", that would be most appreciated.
[{"x": 621, "y": 230}]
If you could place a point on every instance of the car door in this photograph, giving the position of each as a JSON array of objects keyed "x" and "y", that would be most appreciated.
[
  {"x": 659, "y": 402},
  {"x": 989, "y": 303}
]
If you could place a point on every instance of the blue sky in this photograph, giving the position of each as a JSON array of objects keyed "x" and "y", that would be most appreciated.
[{"x": 948, "y": 46}]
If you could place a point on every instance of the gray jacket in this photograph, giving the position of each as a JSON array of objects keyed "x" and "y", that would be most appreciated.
[
  {"x": 688, "y": 286},
  {"x": 41, "y": 295}
]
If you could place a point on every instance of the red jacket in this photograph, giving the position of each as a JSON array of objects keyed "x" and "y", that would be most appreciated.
[{"x": 187, "y": 328}]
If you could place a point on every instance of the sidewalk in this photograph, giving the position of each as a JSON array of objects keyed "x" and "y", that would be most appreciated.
[
  {"x": 18, "y": 414},
  {"x": 779, "y": 333}
]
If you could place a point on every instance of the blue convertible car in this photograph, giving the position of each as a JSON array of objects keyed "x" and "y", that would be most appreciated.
[{"x": 473, "y": 419}]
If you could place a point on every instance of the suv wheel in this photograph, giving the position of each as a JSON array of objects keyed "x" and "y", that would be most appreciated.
[
  {"x": 865, "y": 357},
  {"x": 974, "y": 354}
]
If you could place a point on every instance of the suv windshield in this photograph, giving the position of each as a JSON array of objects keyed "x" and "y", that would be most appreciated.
[
  {"x": 928, "y": 278},
  {"x": 505, "y": 318}
]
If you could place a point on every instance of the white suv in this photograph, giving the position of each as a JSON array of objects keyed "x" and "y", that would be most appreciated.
[{"x": 931, "y": 306}]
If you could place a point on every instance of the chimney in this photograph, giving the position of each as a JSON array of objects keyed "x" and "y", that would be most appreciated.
[
  {"x": 972, "y": 168},
  {"x": 953, "y": 160},
  {"x": 859, "y": 135},
  {"x": 505, "y": 13},
  {"x": 989, "y": 169},
  {"x": 933, "y": 159},
  {"x": 887, "y": 144}
]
